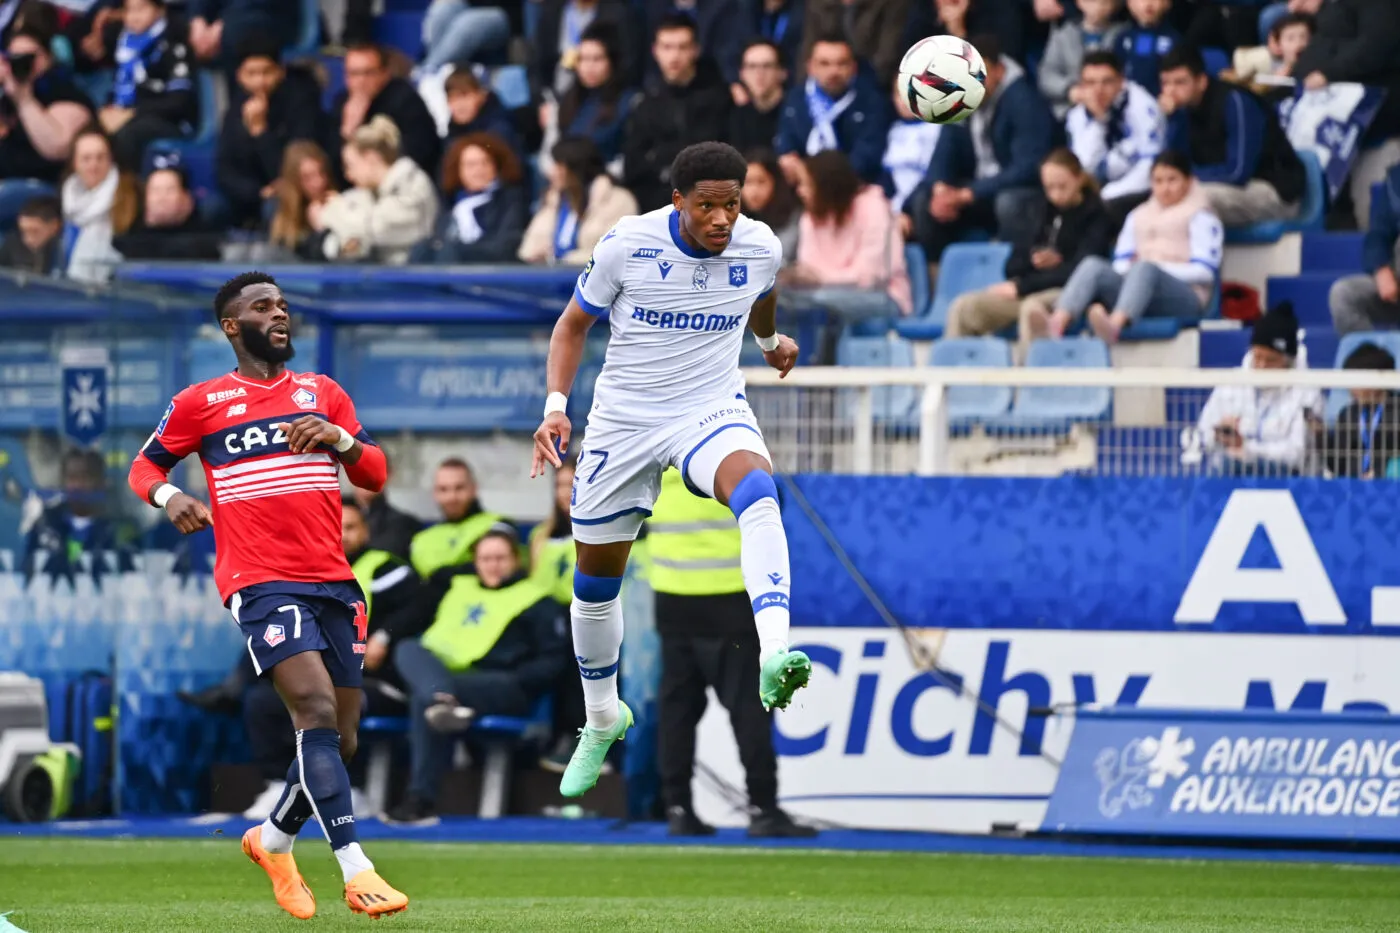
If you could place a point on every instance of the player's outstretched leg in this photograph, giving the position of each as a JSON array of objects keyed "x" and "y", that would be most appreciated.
[
  {"x": 596, "y": 617},
  {"x": 764, "y": 560},
  {"x": 269, "y": 846}
]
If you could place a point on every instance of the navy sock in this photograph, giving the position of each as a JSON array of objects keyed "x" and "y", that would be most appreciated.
[
  {"x": 324, "y": 778},
  {"x": 294, "y": 808}
]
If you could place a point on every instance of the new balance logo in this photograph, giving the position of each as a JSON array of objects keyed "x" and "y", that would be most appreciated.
[
  {"x": 665, "y": 267},
  {"x": 235, "y": 410}
]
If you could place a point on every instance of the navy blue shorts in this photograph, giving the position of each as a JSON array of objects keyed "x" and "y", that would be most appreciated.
[{"x": 280, "y": 619}]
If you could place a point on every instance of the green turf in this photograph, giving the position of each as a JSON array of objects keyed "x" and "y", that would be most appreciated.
[{"x": 74, "y": 886}]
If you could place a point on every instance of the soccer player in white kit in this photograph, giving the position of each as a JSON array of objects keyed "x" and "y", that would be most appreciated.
[{"x": 679, "y": 284}]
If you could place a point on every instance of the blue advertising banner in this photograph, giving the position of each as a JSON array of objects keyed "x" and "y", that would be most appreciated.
[
  {"x": 1331, "y": 122},
  {"x": 1096, "y": 554},
  {"x": 1256, "y": 773}
]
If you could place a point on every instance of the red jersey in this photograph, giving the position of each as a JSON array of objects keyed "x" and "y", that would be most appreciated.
[{"x": 276, "y": 513}]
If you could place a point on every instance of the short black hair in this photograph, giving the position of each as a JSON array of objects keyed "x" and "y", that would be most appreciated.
[
  {"x": 1292, "y": 19},
  {"x": 1171, "y": 158},
  {"x": 234, "y": 287},
  {"x": 988, "y": 45},
  {"x": 44, "y": 207},
  {"x": 1369, "y": 356},
  {"x": 1183, "y": 56},
  {"x": 348, "y": 502},
  {"x": 707, "y": 162},
  {"x": 457, "y": 463},
  {"x": 831, "y": 37},
  {"x": 676, "y": 21},
  {"x": 85, "y": 460},
  {"x": 1102, "y": 58},
  {"x": 765, "y": 43},
  {"x": 258, "y": 46}
]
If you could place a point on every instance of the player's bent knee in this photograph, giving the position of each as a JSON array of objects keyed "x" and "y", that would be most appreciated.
[
  {"x": 312, "y": 711},
  {"x": 756, "y": 486},
  {"x": 590, "y": 589}
]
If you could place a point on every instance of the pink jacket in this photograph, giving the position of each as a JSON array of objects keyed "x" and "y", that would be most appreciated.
[{"x": 867, "y": 251}]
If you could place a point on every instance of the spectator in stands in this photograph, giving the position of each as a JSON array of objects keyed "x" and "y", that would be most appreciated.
[
  {"x": 762, "y": 77},
  {"x": 35, "y": 244},
  {"x": 1117, "y": 130},
  {"x": 768, "y": 197},
  {"x": 1365, "y": 441},
  {"x": 551, "y": 541},
  {"x": 1358, "y": 40},
  {"x": 169, "y": 226},
  {"x": 1237, "y": 147},
  {"x": 1372, "y": 301},
  {"x": 560, "y": 30},
  {"x": 1247, "y": 431},
  {"x": 967, "y": 19},
  {"x": 486, "y": 206},
  {"x": 154, "y": 95},
  {"x": 848, "y": 234},
  {"x": 302, "y": 191},
  {"x": 272, "y": 107},
  {"x": 370, "y": 91},
  {"x": 474, "y": 108},
  {"x": 41, "y": 111},
  {"x": 580, "y": 207},
  {"x": 1166, "y": 264},
  {"x": 688, "y": 104},
  {"x": 218, "y": 28},
  {"x": 390, "y": 529},
  {"x": 985, "y": 172},
  {"x": 1146, "y": 41},
  {"x": 909, "y": 147},
  {"x": 449, "y": 543},
  {"x": 718, "y": 29},
  {"x": 778, "y": 22},
  {"x": 76, "y": 525},
  {"x": 1062, "y": 66},
  {"x": 832, "y": 109},
  {"x": 510, "y": 654},
  {"x": 596, "y": 102},
  {"x": 98, "y": 201},
  {"x": 1071, "y": 224},
  {"x": 1288, "y": 37},
  {"x": 456, "y": 32}
]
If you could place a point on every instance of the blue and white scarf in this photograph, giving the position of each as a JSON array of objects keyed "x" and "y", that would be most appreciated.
[
  {"x": 565, "y": 229},
  {"x": 825, "y": 112},
  {"x": 131, "y": 62},
  {"x": 464, "y": 212}
]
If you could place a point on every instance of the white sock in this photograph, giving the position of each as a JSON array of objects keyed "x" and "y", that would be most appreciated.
[
  {"x": 352, "y": 861},
  {"x": 597, "y": 640},
  {"x": 276, "y": 841},
  {"x": 764, "y": 559}
]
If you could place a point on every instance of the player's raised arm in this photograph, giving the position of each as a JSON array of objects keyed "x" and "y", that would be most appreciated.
[
  {"x": 175, "y": 437},
  {"x": 779, "y": 350}
]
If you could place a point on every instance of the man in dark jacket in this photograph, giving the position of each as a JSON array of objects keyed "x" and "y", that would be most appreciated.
[
  {"x": 689, "y": 104},
  {"x": 1237, "y": 147},
  {"x": 1359, "y": 40},
  {"x": 41, "y": 110},
  {"x": 985, "y": 172},
  {"x": 497, "y": 643},
  {"x": 154, "y": 95},
  {"x": 369, "y": 91},
  {"x": 834, "y": 108},
  {"x": 1372, "y": 301},
  {"x": 34, "y": 246},
  {"x": 717, "y": 29},
  {"x": 780, "y": 22},
  {"x": 875, "y": 29},
  {"x": 1365, "y": 442},
  {"x": 762, "y": 73},
  {"x": 273, "y": 107},
  {"x": 76, "y": 526},
  {"x": 474, "y": 108},
  {"x": 169, "y": 227}
]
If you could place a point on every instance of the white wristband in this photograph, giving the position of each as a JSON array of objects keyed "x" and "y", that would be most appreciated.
[
  {"x": 768, "y": 343},
  {"x": 165, "y": 493},
  {"x": 556, "y": 402},
  {"x": 347, "y": 440}
]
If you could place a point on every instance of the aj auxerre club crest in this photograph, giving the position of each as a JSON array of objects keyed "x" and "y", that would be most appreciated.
[
  {"x": 701, "y": 279},
  {"x": 739, "y": 274}
]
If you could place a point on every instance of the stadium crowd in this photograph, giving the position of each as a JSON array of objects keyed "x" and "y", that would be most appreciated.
[{"x": 1110, "y": 150}]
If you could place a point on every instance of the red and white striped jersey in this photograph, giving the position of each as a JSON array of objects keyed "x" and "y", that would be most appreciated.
[{"x": 276, "y": 513}]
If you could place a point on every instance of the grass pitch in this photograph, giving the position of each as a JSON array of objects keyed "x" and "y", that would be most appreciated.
[{"x": 207, "y": 886}]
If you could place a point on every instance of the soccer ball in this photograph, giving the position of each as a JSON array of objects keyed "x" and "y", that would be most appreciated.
[{"x": 943, "y": 79}]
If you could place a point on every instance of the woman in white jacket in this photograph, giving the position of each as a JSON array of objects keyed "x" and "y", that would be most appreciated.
[
  {"x": 89, "y": 194},
  {"x": 392, "y": 207},
  {"x": 1254, "y": 431}
]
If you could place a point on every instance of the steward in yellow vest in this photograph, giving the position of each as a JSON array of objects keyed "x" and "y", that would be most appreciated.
[{"x": 450, "y": 543}]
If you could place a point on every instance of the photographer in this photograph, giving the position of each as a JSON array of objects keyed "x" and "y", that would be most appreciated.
[{"x": 41, "y": 111}]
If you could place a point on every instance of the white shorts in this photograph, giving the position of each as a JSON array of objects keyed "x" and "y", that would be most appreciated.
[{"x": 620, "y": 466}]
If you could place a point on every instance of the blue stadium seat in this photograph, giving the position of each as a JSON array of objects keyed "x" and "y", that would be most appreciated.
[
  {"x": 1049, "y": 408},
  {"x": 512, "y": 85},
  {"x": 308, "y": 29},
  {"x": 917, "y": 262},
  {"x": 974, "y": 403},
  {"x": 13, "y": 195},
  {"x": 403, "y": 31},
  {"x": 894, "y": 406},
  {"x": 1311, "y": 213},
  {"x": 1217, "y": 60},
  {"x": 1308, "y": 292},
  {"x": 965, "y": 267},
  {"x": 1337, "y": 399},
  {"x": 1328, "y": 252}
]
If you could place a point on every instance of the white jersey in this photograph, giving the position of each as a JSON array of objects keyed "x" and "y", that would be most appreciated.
[{"x": 677, "y": 315}]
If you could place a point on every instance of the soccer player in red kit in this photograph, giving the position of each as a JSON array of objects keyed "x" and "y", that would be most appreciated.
[{"x": 272, "y": 442}]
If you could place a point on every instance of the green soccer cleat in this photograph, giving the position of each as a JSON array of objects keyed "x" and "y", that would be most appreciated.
[
  {"x": 587, "y": 759},
  {"x": 782, "y": 676}
]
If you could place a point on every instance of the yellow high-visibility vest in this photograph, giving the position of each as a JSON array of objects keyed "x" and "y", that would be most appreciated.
[
  {"x": 553, "y": 569},
  {"x": 449, "y": 543},
  {"x": 364, "y": 569},
  {"x": 693, "y": 543},
  {"x": 470, "y": 619}
]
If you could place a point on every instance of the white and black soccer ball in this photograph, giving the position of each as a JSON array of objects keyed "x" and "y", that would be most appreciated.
[{"x": 943, "y": 79}]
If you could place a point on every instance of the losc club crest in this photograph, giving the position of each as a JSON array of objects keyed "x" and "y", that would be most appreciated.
[
  {"x": 274, "y": 635},
  {"x": 304, "y": 398}
]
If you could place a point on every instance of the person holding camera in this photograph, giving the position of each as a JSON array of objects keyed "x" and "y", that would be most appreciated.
[{"x": 41, "y": 110}]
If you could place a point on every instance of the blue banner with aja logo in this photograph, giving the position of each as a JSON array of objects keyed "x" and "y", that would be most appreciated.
[{"x": 1235, "y": 774}]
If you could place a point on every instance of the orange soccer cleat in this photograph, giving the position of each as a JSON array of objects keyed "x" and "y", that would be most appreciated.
[
  {"x": 367, "y": 893},
  {"x": 291, "y": 891}
]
